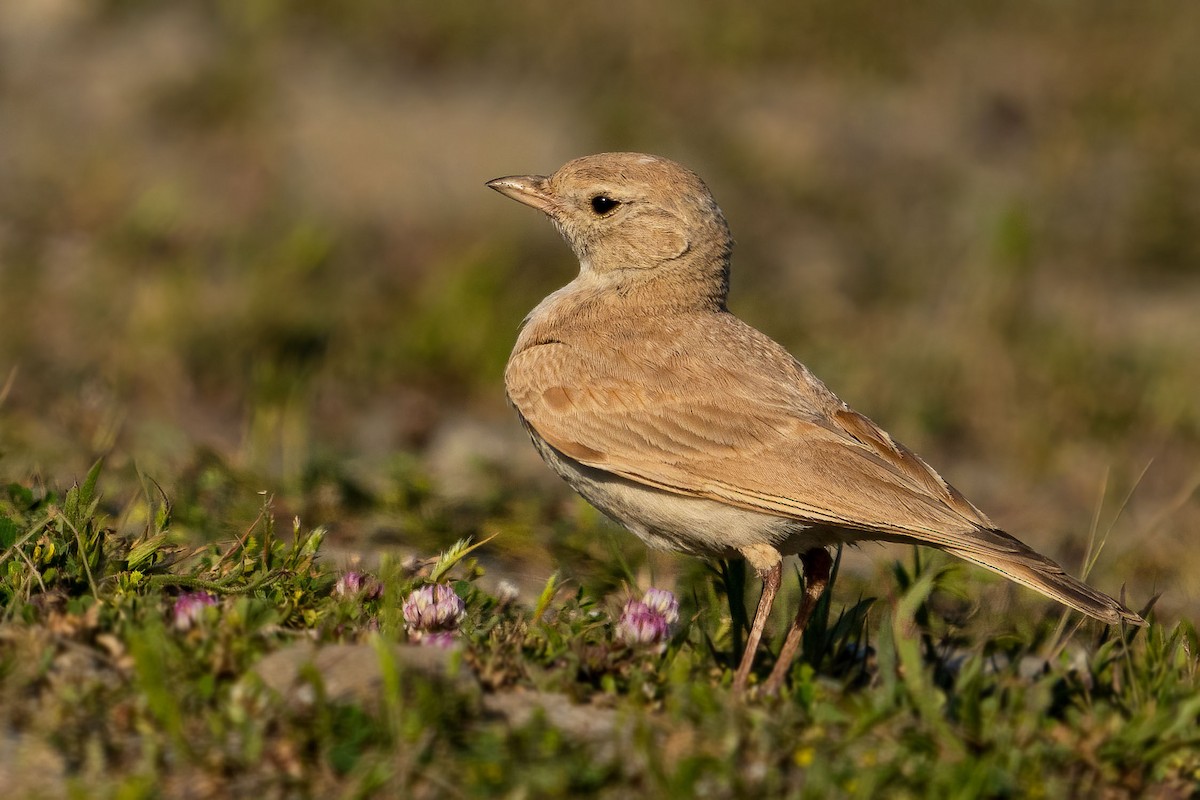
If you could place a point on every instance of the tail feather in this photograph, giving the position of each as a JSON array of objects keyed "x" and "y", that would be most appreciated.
[{"x": 1010, "y": 557}]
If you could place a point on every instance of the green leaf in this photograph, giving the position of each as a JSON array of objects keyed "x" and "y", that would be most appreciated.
[
  {"x": 144, "y": 550},
  {"x": 152, "y": 657},
  {"x": 548, "y": 592},
  {"x": 20, "y": 496},
  {"x": 8, "y": 532},
  {"x": 88, "y": 490},
  {"x": 461, "y": 549}
]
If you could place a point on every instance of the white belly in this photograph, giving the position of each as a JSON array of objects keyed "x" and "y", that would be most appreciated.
[{"x": 677, "y": 522}]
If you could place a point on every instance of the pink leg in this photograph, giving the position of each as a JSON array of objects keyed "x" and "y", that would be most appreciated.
[
  {"x": 771, "y": 577},
  {"x": 816, "y": 577}
]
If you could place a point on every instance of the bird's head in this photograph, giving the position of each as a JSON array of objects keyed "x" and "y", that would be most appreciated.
[{"x": 633, "y": 215}]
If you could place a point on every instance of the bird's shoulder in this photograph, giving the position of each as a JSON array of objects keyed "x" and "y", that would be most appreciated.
[{"x": 691, "y": 357}]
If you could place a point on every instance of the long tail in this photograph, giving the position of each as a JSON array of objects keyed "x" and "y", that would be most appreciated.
[{"x": 1012, "y": 558}]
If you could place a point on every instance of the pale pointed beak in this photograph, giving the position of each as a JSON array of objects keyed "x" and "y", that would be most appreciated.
[{"x": 532, "y": 190}]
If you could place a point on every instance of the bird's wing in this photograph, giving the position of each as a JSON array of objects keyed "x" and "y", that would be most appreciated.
[
  {"x": 770, "y": 438},
  {"x": 743, "y": 436}
]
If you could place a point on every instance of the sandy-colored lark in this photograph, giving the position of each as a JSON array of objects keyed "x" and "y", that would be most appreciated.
[{"x": 699, "y": 433}]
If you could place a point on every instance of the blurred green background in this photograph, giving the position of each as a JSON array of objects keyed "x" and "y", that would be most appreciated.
[{"x": 246, "y": 246}]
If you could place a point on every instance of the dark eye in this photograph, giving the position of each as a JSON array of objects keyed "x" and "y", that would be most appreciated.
[{"x": 603, "y": 205}]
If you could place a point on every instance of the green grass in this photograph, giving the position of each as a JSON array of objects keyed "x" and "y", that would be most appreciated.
[{"x": 899, "y": 695}]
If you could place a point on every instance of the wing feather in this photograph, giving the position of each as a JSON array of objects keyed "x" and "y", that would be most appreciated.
[{"x": 751, "y": 446}]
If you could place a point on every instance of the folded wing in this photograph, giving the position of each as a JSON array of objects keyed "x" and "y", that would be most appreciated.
[{"x": 768, "y": 437}]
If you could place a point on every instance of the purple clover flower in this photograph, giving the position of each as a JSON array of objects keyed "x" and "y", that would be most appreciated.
[
  {"x": 649, "y": 620},
  {"x": 189, "y": 608},
  {"x": 663, "y": 603},
  {"x": 434, "y": 607},
  {"x": 641, "y": 625},
  {"x": 348, "y": 585},
  {"x": 355, "y": 584}
]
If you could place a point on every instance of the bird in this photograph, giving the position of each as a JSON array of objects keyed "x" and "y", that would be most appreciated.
[{"x": 699, "y": 433}]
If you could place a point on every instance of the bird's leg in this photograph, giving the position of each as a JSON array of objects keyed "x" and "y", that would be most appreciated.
[
  {"x": 768, "y": 564},
  {"x": 816, "y": 577}
]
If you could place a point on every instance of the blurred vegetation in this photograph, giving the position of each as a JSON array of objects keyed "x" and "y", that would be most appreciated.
[{"x": 245, "y": 247}]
